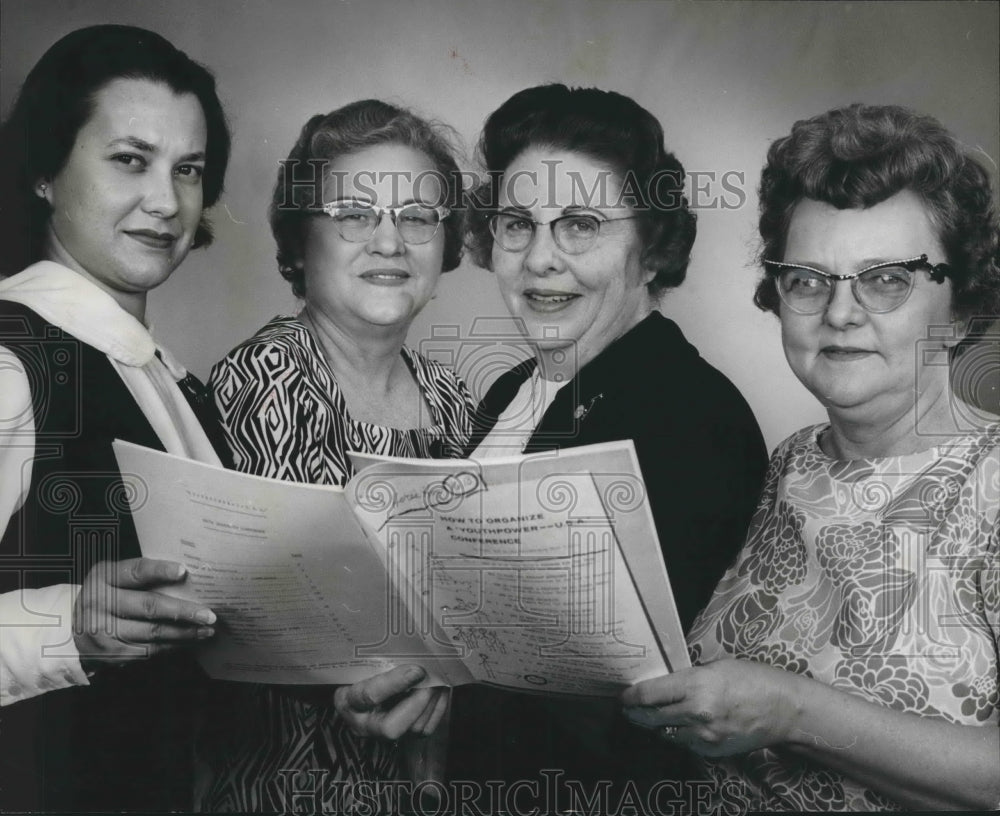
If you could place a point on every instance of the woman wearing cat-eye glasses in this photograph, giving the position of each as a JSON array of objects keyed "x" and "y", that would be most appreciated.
[{"x": 864, "y": 611}]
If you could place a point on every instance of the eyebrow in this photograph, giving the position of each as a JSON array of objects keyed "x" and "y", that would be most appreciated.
[
  {"x": 146, "y": 147},
  {"x": 572, "y": 209}
]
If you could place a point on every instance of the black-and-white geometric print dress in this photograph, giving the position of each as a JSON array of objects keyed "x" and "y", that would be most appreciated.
[{"x": 285, "y": 417}]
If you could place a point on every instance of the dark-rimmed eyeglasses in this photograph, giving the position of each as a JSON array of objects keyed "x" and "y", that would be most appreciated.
[
  {"x": 356, "y": 221},
  {"x": 574, "y": 233},
  {"x": 879, "y": 288}
]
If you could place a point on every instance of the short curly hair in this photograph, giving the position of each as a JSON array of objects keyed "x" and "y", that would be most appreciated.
[
  {"x": 57, "y": 100},
  {"x": 350, "y": 129},
  {"x": 860, "y": 155},
  {"x": 609, "y": 128}
]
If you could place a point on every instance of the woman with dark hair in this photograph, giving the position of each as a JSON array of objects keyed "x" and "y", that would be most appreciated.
[
  {"x": 362, "y": 216},
  {"x": 584, "y": 222},
  {"x": 115, "y": 145},
  {"x": 848, "y": 659}
]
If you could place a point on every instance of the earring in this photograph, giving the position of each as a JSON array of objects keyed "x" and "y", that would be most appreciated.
[{"x": 42, "y": 187}]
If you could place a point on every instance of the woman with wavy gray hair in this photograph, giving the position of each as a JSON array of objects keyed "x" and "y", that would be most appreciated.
[{"x": 848, "y": 659}]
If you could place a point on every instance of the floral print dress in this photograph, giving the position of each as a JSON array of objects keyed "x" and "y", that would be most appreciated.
[{"x": 880, "y": 577}]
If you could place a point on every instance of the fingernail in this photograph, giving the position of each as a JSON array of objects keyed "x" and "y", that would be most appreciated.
[
  {"x": 205, "y": 616},
  {"x": 205, "y": 632},
  {"x": 414, "y": 673},
  {"x": 179, "y": 571}
]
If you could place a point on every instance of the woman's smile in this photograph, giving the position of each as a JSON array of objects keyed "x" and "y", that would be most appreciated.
[
  {"x": 386, "y": 277},
  {"x": 548, "y": 300},
  {"x": 152, "y": 238}
]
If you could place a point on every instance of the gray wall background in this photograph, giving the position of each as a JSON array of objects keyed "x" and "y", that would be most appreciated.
[{"x": 724, "y": 78}]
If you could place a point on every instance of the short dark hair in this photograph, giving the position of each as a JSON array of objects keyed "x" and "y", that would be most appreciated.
[
  {"x": 609, "y": 128},
  {"x": 860, "y": 155},
  {"x": 56, "y": 101},
  {"x": 350, "y": 129}
]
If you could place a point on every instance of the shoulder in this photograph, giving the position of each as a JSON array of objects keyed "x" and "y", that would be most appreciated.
[
  {"x": 15, "y": 393},
  {"x": 436, "y": 375},
  {"x": 663, "y": 381},
  {"x": 976, "y": 453},
  {"x": 20, "y": 323},
  {"x": 282, "y": 342},
  {"x": 505, "y": 387}
]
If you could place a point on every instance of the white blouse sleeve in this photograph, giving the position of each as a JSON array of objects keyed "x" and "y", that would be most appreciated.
[{"x": 37, "y": 651}]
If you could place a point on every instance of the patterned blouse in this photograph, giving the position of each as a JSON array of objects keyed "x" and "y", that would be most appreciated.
[
  {"x": 880, "y": 577},
  {"x": 285, "y": 417}
]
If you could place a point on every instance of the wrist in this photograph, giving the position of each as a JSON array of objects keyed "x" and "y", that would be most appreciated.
[{"x": 800, "y": 703}]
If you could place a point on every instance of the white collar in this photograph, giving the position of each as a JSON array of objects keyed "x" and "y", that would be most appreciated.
[{"x": 70, "y": 301}]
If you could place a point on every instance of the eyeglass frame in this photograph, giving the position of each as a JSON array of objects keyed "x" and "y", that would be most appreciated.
[
  {"x": 599, "y": 220},
  {"x": 938, "y": 273},
  {"x": 330, "y": 209}
]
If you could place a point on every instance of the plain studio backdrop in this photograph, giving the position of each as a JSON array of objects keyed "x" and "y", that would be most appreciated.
[{"x": 725, "y": 79}]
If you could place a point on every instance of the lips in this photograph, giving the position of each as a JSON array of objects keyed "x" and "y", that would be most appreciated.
[
  {"x": 845, "y": 352},
  {"x": 548, "y": 300},
  {"x": 152, "y": 238},
  {"x": 386, "y": 277}
]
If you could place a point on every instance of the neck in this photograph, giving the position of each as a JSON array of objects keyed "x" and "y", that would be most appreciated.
[
  {"x": 371, "y": 358},
  {"x": 928, "y": 422},
  {"x": 563, "y": 362}
]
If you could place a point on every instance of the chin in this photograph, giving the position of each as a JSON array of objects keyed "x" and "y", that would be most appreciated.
[{"x": 844, "y": 399}]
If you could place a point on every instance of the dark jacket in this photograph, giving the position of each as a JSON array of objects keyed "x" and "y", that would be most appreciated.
[
  {"x": 124, "y": 742},
  {"x": 703, "y": 461}
]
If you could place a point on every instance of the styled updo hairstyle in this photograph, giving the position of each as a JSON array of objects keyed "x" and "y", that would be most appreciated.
[{"x": 608, "y": 128}]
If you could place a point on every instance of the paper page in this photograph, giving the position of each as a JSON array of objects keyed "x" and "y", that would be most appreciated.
[
  {"x": 522, "y": 568},
  {"x": 300, "y": 594}
]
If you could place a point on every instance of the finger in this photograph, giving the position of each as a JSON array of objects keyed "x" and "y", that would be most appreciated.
[
  {"x": 143, "y": 633},
  {"x": 440, "y": 709},
  {"x": 395, "y": 722},
  {"x": 137, "y": 573},
  {"x": 370, "y": 693},
  {"x": 355, "y": 719},
  {"x": 657, "y": 691},
  {"x": 138, "y": 604},
  {"x": 421, "y": 722}
]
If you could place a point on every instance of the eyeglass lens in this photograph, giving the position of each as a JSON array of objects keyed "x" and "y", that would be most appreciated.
[
  {"x": 877, "y": 290},
  {"x": 573, "y": 234},
  {"x": 416, "y": 224}
]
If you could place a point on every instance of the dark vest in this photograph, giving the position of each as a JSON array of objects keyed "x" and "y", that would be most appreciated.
[{"x": 123, "y": 743}]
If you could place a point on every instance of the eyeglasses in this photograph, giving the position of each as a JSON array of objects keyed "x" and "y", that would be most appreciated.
[
  {"x": 879, "y": 288},
  {"x": 357, "y": 221},
  {"x": 573, "y": 234}
]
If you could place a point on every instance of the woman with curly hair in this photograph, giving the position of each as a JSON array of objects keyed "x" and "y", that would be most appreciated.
[
  {"x": 584, "y": 223},
  {"x": 363, "y": 244},
  {"x": 848, "y": 659}
]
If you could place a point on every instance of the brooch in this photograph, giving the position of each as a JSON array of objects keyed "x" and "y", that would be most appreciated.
[{"x": 582, "y": 411}]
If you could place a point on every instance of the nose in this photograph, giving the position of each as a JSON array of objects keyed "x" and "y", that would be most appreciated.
[
  {"x": 843, "y": 310},
  {"x": 161, "y": 195},
  {"x": 542, "y": 255},
  {"x": 386, "y": 240}
]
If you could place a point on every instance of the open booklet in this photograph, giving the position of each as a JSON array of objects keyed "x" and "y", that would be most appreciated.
[{"x": 540, "y": 572}]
